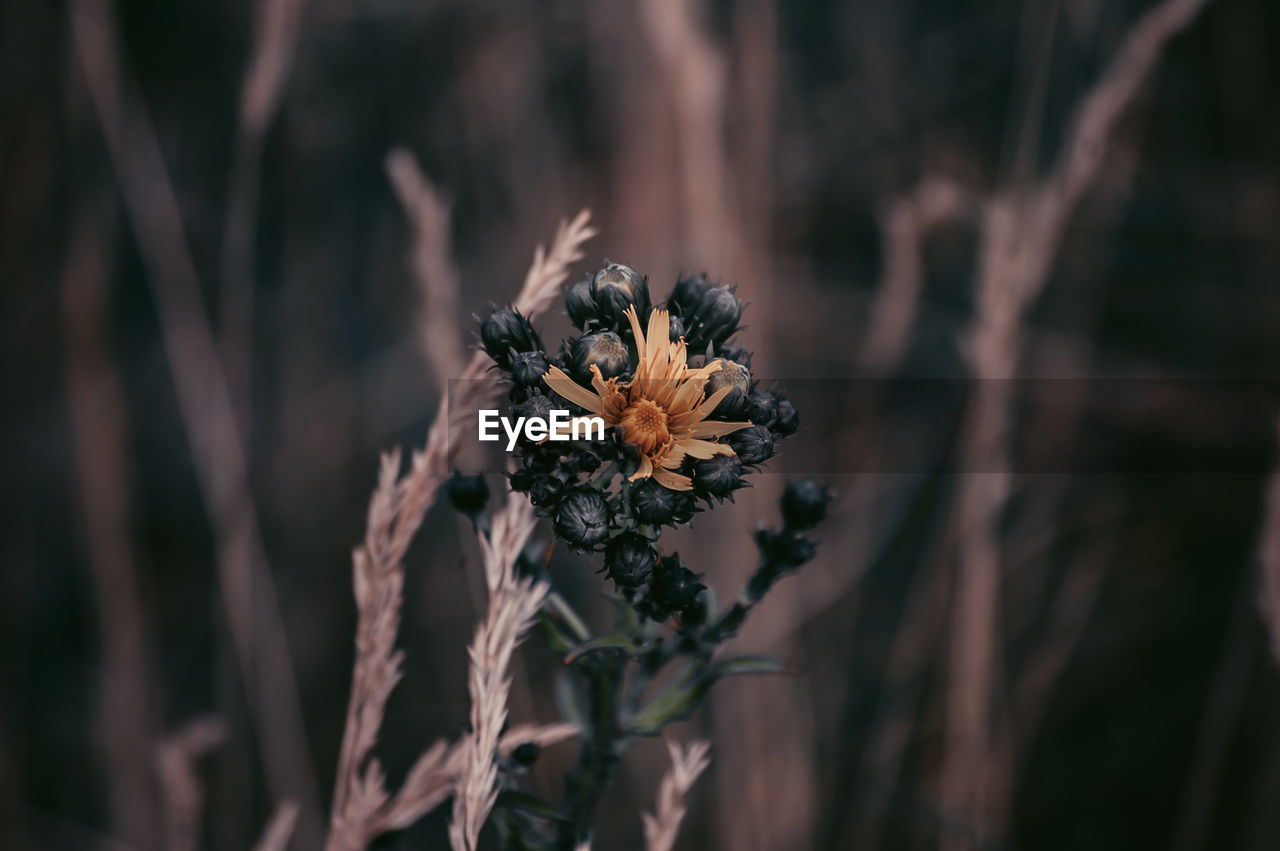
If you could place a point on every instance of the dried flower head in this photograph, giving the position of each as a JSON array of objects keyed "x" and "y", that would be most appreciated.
[{"x": 662, "y": 409}]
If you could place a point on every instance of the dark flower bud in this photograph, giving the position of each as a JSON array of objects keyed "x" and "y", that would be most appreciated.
[
  {"x": 526, "y": 753},
  {"x": 615, "y": 288},
  {"x": 718, "y": 476},
  {"x": 784, "y": 549},
  {"x": 762, "y": 408},
  {"x": 733, "y": 375},
  {"x": 522, "y": 480},
  {"x": 688, "y": 294},
  {"x": 537, "y": 405},
  {"x": 604, "y": 350},
  {"x": 754, "y": 445},
  {"x": 737, "y": 354},
  {"x": 468, "y": 494},
  {"x": 654, "y": 504},
  {"x": 582, "y": 517},
  {"x": 677, "y": 329},
  {"x": 506, "y": 331},
  {"x": 527, "y": 368},
  {"x": 804, "y": 503},
  {"x": 545, "y": 489},
  {"x": 533, "y": 560},
  {"x": 629, "y": 559},
  {"x": 587, "y": 462},
  {"x": 717, "y": 317},
  {"x": 788, "y": 418},
  {"x": 674, "y": 586},
  {"x": 579, "y": 304}
]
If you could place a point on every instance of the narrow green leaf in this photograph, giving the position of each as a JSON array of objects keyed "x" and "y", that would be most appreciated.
[
  {"x": 558, "y": 639},
  {"x": 674, "y": 702},
  {"x": 562, "y": 611},
  {"x": 570, "y": 704},
  {"x": 749, "y": 665},
  {"x": 514, "y": 799},
  {"x": 610, "y": 641}
]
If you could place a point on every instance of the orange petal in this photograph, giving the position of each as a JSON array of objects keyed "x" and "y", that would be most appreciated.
[
  {"x": 646, "y": 469},
  {"x": 565, "y": 387},
  {"x": 715, "y": 428},
  {"x": 704, "y": 448},
  {"x": 672, "y": 481}
]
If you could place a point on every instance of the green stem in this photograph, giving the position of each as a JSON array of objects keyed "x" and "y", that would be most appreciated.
[{"x": 600, "y": 753}]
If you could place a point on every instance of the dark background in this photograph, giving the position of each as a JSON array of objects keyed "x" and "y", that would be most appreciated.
[{"x": 1136, "y": 685}]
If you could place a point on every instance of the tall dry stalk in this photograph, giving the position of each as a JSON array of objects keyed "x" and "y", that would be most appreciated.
[
  {"x": 99, "y": 434},
  {"x": 205, "y": 405},
  {"x": 1269, "y": 558},
  {"x": 513, "y": 604},
  {"x": 182, "y": 791},
  {"x": 275, "y": 36},
  {"x": 1022, "y": 229},
  {"x": 362, "y": 807},
  {"x": 432, "y": 263}
]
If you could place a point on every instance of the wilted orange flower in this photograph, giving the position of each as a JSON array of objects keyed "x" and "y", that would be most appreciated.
[{"x": 663, "y": 409}]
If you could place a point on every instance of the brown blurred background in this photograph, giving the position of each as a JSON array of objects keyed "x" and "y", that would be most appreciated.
[{"x": 211, "y": 328}]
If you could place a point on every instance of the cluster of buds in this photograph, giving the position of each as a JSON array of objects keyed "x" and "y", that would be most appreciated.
[{"x": 616, "y": 495}]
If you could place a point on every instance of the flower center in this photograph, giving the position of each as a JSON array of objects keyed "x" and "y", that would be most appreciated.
[{"x": 644, "y": 424}]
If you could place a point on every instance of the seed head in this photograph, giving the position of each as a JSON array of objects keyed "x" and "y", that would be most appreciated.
[
  {"x": 804, "y": 503},
  {"x": 468, "y": 494},
  {"x": 754, "y": 445},
  {"x": 506, "y": 332},
  {"x": 615, "y": 288},
  {"x": 674, "y": 586},
  {"x": 579, "y": 304},
  {"x": 654, "y": 504},
  {"x": 527, "y": 368},
  {"x": 537, "y": 405},
  {"x": 604, "y": 350},
  {"x": 582, "y": 517},
  {"x": 717, "y": 476},
  {"x": 629, "y": 559},
  {"x": 788, "y": 418}
]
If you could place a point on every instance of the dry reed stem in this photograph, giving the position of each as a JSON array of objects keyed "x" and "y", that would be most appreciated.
[
  {"x": 663, "y": 825},
  {"x": 205, "y": 405},
  {"x": 1269, "y": 558},
  {"x": 904, "y": 224},
  {"x": 276, "y": 25},
  {"x": 1021, "y": 231},
  {"x": 513, "y": 604},
  {"x": 99, "y": 426},
  {"x": 695, "y": 74},
  {"x": 275, "y": 836},
  {"x": 362, "y": 808},
  {"x": 433, "y": 266},
  {"x": 181, "y": 789}
]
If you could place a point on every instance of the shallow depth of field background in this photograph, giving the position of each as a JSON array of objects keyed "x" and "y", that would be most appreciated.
[{"x": 1135, "y": 701}]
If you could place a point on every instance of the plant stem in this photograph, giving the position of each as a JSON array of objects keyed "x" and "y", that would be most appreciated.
[{"x": 600, "y": 753}]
